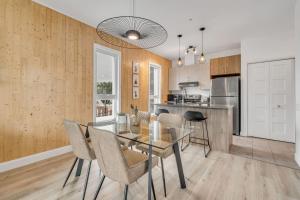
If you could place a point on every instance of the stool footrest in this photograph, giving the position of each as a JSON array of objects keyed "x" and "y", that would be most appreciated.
[{"x": 205, "y": 141}]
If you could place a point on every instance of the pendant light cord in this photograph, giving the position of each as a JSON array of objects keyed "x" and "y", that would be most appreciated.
[
  {"x": 179, "y": 48},
  {"x": 202, "y": 42},
  {"x": 133, "y": 5},
  {"x": 133, "y": 13}
]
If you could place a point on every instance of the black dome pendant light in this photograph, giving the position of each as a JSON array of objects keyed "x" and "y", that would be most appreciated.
[
  {"x": 202, "y": 57},
  {"x": 132, "y": 32},
  {"x": 179, "y": 61}
]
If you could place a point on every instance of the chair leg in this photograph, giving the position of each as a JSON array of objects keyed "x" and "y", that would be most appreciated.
[
  {"x": 73, "y": 165},
  {"x": 99, "y": 187},
  {"x": 207, "y": 135},
  {"x": 184, "y": 147},
  {"x": 163, "y": 176},
  {"x": 125, "y": 192},
  {"x": 203, "y": 139},
  {"x": 207, "y": 138},
  {"x": 87, "y": 179},
  {"x": 153, "y": 189}
]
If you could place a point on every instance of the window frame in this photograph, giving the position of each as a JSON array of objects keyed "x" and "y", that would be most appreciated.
[{"x": 117, "y": 78}]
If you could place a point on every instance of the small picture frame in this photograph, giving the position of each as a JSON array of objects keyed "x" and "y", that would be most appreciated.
[
  {"x": 135, "y": 92},
  {"x": 135, "y": 80},
  {"x": 135, "y": 68}
]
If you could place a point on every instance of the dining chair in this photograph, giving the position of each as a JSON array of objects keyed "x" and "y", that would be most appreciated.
[
  {"x": 141, "y": 117},
  {"x": 168, "y": 120},
  {"x": 122, "y": 165},
  {"x": 81, "y": 148}
]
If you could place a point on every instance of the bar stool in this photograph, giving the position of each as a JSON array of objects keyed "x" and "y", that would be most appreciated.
[
  {"x": 161, "y": 110},
  {"x": 195, "y": 116}
]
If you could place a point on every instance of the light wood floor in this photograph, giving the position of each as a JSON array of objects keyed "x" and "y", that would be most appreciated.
[
  {"x": 220, "y": 176},
  {"x": 276, "y": 152}
]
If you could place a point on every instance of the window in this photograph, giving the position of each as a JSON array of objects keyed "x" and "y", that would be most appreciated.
[
  {"x": 106, "y": 83},
  {"x": 154, "y": 86}
]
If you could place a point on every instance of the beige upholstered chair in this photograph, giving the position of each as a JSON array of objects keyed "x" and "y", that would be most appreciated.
[
  {"x": 173, "y": 121},
  {"x": 142, "y": 117},
  {"x": 81, "y": 148},
  {"x": 122, "y": 165}
]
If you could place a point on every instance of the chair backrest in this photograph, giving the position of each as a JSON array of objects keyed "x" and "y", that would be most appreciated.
[
  {"x": 161, "y": 110},
  {"x": 78, "y": 141},
  {"x": 194, "y": 116},
  {"x": 173, "y": 120},
  {"x": 143, "y": 117},
  {"x": 109, "y": 155}
]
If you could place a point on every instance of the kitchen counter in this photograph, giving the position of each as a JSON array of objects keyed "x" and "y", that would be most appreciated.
[
  {"x": 193, "y": 105},
  {"x": 219, "y": 122}
]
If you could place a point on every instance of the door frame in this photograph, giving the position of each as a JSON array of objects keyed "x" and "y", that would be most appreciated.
[
  {"x": 246, "y": 87},
  {"x": 103, "y": 49},
  {"x": 160, "y": 72}
]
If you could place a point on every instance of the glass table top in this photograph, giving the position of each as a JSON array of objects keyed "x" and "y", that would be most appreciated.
[{"x": 155, "y": 133}]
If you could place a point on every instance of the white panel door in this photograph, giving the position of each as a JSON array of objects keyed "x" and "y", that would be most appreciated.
[
  {"x": 281, "y": 101},
  {"x": 271, "y": 100},
  {"x": 258, "y": 100}
]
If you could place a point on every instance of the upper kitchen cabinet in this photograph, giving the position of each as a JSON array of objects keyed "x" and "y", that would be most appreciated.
[
  {"x": 174, "y": 78},
  {"x": 230, "y": 65},
  {"x": 192, "y": 73}
]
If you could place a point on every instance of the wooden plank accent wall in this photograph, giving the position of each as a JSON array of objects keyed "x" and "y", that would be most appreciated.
[{"x": 46, "y": 75}]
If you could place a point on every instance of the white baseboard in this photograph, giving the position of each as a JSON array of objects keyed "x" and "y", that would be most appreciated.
[
  {"x": 297, "y": 158},
  {"x": 12, "y": 164}
]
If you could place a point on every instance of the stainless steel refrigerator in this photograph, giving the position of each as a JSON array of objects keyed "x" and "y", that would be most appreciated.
[{"x": 226, "y": 91}]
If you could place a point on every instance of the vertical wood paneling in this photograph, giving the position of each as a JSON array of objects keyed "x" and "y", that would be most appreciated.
[{"x": 46, "y": 75}]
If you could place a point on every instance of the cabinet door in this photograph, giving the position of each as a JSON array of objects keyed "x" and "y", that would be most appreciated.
[
  {"x": 233, "y": 65},
  {"x": 214, "y": 67},
  {"x": 193, "y": 73},
  {"x": 202, "y": 75},
  {"x": 173, "y": 78},
  {"x": 217, "y": 66},
  {"x": 183, "y": 74}
]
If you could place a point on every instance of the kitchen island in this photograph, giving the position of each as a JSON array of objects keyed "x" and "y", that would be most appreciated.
[{"x": 219, "y": 122}]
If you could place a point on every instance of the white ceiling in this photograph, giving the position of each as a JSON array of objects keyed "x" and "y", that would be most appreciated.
[{"x": 227, "y": 21}]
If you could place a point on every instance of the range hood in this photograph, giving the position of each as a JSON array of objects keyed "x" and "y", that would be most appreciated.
[{"x": 188, "y": 84}]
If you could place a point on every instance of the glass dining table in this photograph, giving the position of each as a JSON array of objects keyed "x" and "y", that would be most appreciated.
[{"x": 154, "y": 135}]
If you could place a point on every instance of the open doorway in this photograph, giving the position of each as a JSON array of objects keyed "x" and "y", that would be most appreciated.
[{"x": 154, "y": 85}]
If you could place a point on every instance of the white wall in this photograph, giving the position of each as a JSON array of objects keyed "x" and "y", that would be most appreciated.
[
  {"x": 261, "y": 49},
  {"x": 205, "y": 70},
  {"x": 209, "y": 56},
  {"x": 297, "y": 78}
]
